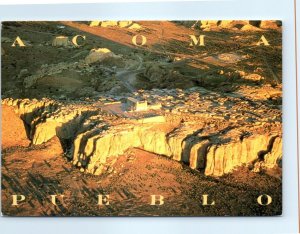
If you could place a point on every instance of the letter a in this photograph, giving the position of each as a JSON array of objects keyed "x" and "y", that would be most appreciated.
[
  {"x": 17, "y": 199},
  {"x": 262, "y": 40},
  {"x": 19, "y": 42},
  {"x": 196, "y": 41}
]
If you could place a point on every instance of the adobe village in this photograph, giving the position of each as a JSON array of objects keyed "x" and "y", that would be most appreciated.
[{"x": 138, "y": 108}]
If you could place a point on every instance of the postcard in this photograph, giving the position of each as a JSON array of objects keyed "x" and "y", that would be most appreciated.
[{"x": 141, "y": 118}]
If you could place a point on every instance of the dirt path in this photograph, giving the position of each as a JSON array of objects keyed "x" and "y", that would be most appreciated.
[{"x": 128, "y": 76}]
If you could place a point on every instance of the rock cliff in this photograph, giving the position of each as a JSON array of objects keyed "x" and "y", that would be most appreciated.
[{"x": 93, "y": 138}]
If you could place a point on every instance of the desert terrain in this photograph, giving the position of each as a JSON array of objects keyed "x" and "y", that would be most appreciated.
[{"x": 161, "y": 115}]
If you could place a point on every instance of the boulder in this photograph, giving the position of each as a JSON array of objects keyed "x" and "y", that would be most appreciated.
[
  {"x": 98, "y": 55},
  {"x": 135, "y": 26},
  {"x": 269, "y": 24},
  {"x": 95, "y": 23},
  {"x": 226, "y": 23},
  {"x": 124, "y": 24},
  {"x": 105, "y": 24},
  {"x": 232, "y": 24},
  {"x": 23, "y": 73},
  {"x": 207, "y": 25},
  {"x": 249, "y": 27}
]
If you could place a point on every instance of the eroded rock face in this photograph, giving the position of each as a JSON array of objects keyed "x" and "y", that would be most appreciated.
[
  {"x": 200, "y": 152},
  {"x": 213, "y": 142},
  {"x": 32, "y": 111},
  {"x": 13, "y": 129}
]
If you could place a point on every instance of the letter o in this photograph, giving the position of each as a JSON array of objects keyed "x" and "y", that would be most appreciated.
[
  {"x": 269, "y": 200},
  {"x": 144, "y": 40}
]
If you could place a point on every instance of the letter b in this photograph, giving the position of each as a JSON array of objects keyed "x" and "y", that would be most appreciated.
[{"x": 157, "y": 199}]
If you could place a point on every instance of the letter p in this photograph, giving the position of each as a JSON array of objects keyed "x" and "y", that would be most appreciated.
[{"x": 16, "y": 199}]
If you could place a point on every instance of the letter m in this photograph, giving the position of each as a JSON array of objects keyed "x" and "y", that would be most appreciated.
[{"x": 197, "y": 41}]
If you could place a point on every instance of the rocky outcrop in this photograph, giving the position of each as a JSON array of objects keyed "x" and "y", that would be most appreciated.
[
  {"x": 249, "y": 27},
  {"x": 48, "y": 70},
  {"x": 122, "y": 24},
  {"x": 98, "y": 55},
  {"x": 270, "y": 24},
  {"x": 32, "y": 111},
  {"x": 13, "y": 130},
  {"x": 214, "y": 154},
  {"x": 222, "y": 159},
  {"x": 92, "y": 138},
  {"x": 244, "y": 25}
]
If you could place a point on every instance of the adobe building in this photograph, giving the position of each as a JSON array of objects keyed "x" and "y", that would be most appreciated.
[
  {"x": 136, "y": 105},
  {"x": 61, "y": 41}
]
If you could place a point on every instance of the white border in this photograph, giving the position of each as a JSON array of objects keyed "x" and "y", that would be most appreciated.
[
  {"x": 238, "y": 9},
  {"x": 20, "y": 2}
]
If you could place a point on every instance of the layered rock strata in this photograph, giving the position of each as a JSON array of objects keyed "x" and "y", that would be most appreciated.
[{"x": 92, "y": 138}]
